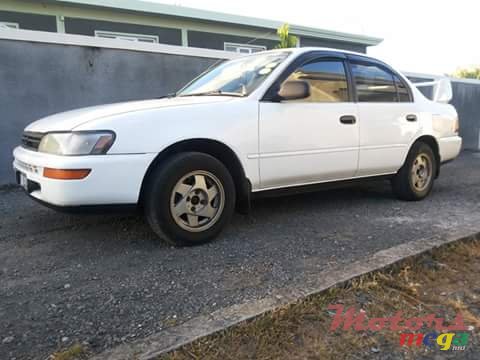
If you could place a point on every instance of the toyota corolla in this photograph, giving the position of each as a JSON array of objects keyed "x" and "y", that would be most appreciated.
[{"x": 262, "y": 124}]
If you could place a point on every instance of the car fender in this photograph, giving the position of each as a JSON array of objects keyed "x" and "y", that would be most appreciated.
[{"x": 233, "y": 123}]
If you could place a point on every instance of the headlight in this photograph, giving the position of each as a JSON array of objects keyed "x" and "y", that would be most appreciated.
[{"x": 77, "y": 143}]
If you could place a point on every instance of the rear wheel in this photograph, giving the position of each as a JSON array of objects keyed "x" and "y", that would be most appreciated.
[
  {"x": 414, "y": 180},
  {"x": 189, "y": 199}
]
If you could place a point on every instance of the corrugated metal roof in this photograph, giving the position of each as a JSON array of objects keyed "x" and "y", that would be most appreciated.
[{"x": 204, "y": 15}]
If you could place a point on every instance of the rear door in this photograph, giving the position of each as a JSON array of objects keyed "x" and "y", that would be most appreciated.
[{"x": 387, "y": 115}]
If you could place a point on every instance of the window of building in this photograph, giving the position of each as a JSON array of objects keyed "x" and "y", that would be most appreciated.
[
  {"x": 126, "y": 36},
  {"x": 9, "y": 25},
  {"x": 327, "y": 79},
  {"x": 244, "y": 48},
  {"x": 373, "y": 83}
]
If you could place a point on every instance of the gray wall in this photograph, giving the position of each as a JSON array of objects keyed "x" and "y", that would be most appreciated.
[
  {"x": 466, "y": 99},
  {"x": 41, "y": 79},
  {"x": 87, "y": 27},
  {"x": 30, "y": 21}
]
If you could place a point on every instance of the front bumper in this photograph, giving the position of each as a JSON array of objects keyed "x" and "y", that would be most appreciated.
[{"x": 114, "y": 179}]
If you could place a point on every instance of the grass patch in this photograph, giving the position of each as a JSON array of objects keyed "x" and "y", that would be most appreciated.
[
  {"x": 441, "y": 282},
  {"x": 75, "y": 352}
]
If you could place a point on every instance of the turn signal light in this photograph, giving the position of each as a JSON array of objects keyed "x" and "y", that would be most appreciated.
[{"x": 60, "y": 174}]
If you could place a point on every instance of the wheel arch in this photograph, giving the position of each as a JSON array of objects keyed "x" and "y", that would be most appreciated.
[
  {"x": 433, "y": 143},
  {"x": 221, "y": 152}
]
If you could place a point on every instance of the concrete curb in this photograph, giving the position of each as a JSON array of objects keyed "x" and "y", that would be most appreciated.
[{"x": 174, "y": 337}]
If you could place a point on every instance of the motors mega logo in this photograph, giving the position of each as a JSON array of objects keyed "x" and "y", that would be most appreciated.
[{"x": 452, "y": 337}]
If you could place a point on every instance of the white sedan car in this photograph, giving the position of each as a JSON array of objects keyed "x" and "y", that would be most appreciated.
[{"x": 279, "y": 120}]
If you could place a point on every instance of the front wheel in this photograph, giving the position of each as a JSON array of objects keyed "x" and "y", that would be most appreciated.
[
  {"x": 414, "y": 180},
  {"x": 189, "y": 199}
]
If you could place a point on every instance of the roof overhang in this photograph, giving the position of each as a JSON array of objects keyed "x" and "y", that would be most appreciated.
[{"x": 213, "y": 16}]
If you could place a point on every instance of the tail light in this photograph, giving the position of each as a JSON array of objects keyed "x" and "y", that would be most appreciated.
[{"x": 456, "y": 126}]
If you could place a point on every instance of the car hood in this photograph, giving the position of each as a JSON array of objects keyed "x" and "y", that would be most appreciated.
[{"x": 69, "y": 120}]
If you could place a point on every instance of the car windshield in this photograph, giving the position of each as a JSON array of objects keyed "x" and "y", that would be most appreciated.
[{"x": 239, "y": 77}]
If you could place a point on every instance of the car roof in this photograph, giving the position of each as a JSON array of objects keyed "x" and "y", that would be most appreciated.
[
  {"x": 305, "y": 50},
  {"x": 302, "y": 50}
]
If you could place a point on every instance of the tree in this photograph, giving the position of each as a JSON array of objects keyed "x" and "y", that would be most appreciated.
[
  {"x": 470, "y": 73},
  {"x": 286, "y": 40}
]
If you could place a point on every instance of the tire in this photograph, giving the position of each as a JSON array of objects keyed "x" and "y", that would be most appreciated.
[
  {"x": 414, "y": 181},
  {"x": 189, "y": 199}
]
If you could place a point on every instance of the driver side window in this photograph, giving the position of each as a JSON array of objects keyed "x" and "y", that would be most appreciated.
[{"x": 327, "y": 79}]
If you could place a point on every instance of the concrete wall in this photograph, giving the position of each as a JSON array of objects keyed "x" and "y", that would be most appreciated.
[
  {"x": 39, "y": 79},
  {"x": 466, "y": 99}
]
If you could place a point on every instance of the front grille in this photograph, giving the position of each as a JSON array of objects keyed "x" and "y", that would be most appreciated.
[{"x": 31, "y": 140}]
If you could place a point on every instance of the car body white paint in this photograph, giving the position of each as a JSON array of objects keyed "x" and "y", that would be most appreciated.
[{"x": 278, "y": 144}]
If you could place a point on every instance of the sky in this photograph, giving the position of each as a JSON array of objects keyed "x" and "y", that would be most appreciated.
[{"x": 425, "y": 36}]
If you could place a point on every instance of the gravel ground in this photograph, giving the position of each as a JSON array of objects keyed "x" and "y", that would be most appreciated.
[
  {"x": 443, "y": 282},
  {"x": 104, "y": 279}
]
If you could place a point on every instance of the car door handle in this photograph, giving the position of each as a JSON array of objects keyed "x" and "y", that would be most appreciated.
[
  {"x": 348, "y": 119},
  {"x": 411, "y": 117}
]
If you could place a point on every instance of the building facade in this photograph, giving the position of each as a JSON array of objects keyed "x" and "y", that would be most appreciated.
[{"x": 166, "y": 24}]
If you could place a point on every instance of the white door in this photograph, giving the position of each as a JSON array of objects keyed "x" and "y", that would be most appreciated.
[
  {"x": 310, "y": 140},
  {"x": 388, "y": 118}
]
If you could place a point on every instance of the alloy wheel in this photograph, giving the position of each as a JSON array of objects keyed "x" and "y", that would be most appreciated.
[
  {"x": 422, "y": 171},
  {"x": 197, "y": 201}
]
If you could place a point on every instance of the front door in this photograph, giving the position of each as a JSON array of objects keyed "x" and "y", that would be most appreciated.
[{"x": 314, "y": 139}]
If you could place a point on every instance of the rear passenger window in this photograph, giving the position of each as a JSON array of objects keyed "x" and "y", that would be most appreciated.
[
  {"x": 403, "y": 93},
  {"x": 327, "y": 79},
  {"x": 373, "y": 83}
]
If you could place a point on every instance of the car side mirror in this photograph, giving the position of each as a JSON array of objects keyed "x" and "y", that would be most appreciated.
[{"x": 294, "y": 90}]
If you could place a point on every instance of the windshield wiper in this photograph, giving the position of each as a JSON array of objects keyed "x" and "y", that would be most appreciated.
[
  {"x": 168, "y": 96},
  {"x": 215, "y": 93}
]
